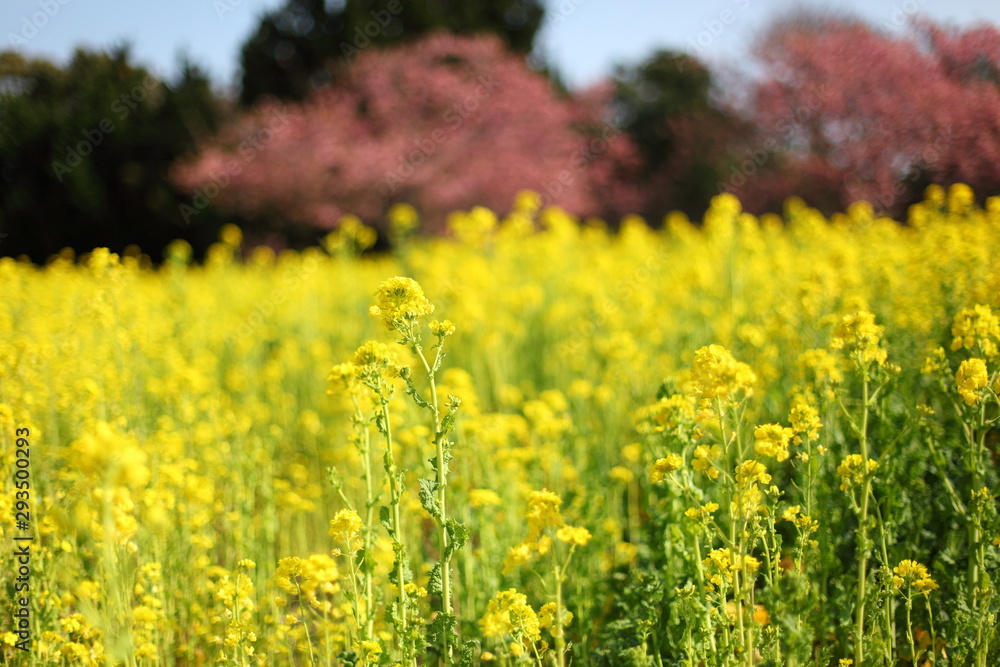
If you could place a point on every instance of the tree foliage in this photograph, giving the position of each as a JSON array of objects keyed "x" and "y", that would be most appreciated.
[
  {"x": 444, "y": 124},
  {"x": 306, "y": 44},
  {"x": 85, "y": 150},
  {"x": 685, "y": 139},
  {"x": 846, "y": 112}
]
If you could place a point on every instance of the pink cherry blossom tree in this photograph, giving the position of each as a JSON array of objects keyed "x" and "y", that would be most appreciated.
[
  {"x": 846, "y": 112},
  {"x": 446, "y": 123}
]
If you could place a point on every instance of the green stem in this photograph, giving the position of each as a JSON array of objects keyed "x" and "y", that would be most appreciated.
[
  {"x": 442, "y": 499},
  {"x": 888, "y": 616},
  {"x": 930, "y": 621},
  {"x": 305, "y": 624},
  {"x": 862, "y": 539},
  {"x": 909, "y": 627},
  {"x": 369, "y": 532},
  {"x": 395, "y": 494}
]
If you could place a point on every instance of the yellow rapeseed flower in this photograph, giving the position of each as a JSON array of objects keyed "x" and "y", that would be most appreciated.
[
  {"x": 976, "y": 327},
  {"x": 716, "y": 374},
  {"x": 858, "y": 334},
  {"x": 509, "y": 613},
  {"x": 970, "y": 378},
  {"x": 345, "y": 527},
  {"x": 399, "y": 302},
  {"x": 752, "y": 471},
  {"x": 665, "y": 466},
  {"x": 574, "y": 535},
  {"x": 543, "y": 512},
  {"x": 804, "y": 418},
  {"x": 853, "y": 469},
  {"x": 702, "y": 460},
  {"x": 772, "y": 440},
  {"x": 910, "y": 573}
]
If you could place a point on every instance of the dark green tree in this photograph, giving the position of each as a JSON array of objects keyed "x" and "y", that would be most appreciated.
[
  {"x": 85, "y": 153},
  {"x": 686, "y": 141},
  {"x": 304, "y": 44}
]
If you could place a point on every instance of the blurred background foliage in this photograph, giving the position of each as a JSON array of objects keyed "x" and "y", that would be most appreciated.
[{"x": 99, "y": 152}]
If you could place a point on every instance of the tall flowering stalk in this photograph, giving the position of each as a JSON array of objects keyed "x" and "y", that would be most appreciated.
[
  {"x": 376, "y": 367},
  {"x": 345, "y": 376},
  {"x": 722, "y": 386},
  {"x": 860, "y": 338},
  {"x": 977, "y": 329},
  {"x": 401, "y": 302},
  {"x": 544, "y": 516}
]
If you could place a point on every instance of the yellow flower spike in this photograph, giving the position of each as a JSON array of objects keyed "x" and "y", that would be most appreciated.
[
  {"x": 858, "y": 334},
  {"x": 573, "y": 535},
  {"x": 516, "y": 556},
  {"x": 772, "y": 440},
  {"x": 400, "y": 301},
  {"x": 346, "y": 527},
  {"x": 853, "y": 469},
  {"x": 716, "y": 374},
  {"x": 911, "y": 573},
  {"x": 543, "y": 512},
  {"x": 976, "y": 327},
  {"x": 665, "y": 466},
  {"x": 751, "y": 471},
  {"x": 445, "y": 328},
  {"x": 702, "y": 460},
  {"x": 972, "y": 376}
]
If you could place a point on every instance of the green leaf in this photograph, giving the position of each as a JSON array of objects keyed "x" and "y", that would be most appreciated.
[
  {"x": 383, "y": 517},
  {"x": 428, "y": 488},
  {"x": 458, "y": 535},
  {"x": 467, "y": 656},
  {"x": 434, "y": 586}
]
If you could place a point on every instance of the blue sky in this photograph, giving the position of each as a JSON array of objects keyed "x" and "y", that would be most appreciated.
[{"x": 584, "y": 38}]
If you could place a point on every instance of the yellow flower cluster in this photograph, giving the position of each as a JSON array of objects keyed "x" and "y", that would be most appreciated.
[
  {"x": 399, "y": 302},
  {"x": 853, "y": 471},
  {"x": 750, "y": 472},
  {"x": 345, "y": 527},
  {"x": 772, "y": 440},
  {"x": 543, "y": 512},
  {"x": 910, "y": 573},
  {"x": 722, "y": 565},
  {"x": 697, "y": 513},
  {"x": 859, "y": 335},
  {"x": 715, "y": 374},
  {"x": 804, "y": 418},
  {"x": 970, "y": 378},
  {"x": 509, "y": 613},
  {"x": 702, "y": 460},
  {"x": 665, "y": 466},
  {"x": 976, "y": 328}
]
